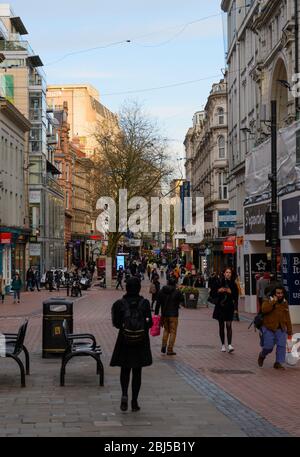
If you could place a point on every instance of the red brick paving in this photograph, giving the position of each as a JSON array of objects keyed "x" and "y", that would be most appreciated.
[{"x": 273, "y": 394}]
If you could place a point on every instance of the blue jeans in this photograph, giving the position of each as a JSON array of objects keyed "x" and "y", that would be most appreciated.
[
  {"x": 16, "y": 294},
  {"x": 268, "y": 339}
]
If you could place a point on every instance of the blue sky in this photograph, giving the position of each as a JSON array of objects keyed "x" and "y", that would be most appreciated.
[{"x": 171, "y": 53}]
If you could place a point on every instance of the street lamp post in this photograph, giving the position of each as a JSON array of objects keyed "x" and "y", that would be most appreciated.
[{"x": 273, "y": 179}]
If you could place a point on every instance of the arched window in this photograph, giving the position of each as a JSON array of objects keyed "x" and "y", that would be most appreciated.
[
  {"x": 221, "y": 145},
  {"x": 221, "y": 116}
]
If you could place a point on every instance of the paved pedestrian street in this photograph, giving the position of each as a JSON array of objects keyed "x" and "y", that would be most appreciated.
[{"x": 200, "y": 392}]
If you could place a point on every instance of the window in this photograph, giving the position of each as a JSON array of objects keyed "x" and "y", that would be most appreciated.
[
  {"x": 221, "y": 116},
  {"x": 67, "y": 200},
  {"x": 67, "y": 172},
  {"x": 221, "y": 144},
  {"x": 223, "y": 189}
]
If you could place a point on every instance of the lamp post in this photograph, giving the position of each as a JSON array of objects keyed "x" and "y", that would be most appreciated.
[{"x": 273, "y": 179}]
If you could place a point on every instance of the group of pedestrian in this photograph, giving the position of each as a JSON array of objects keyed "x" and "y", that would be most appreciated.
[{"x": 33, "y": 279}]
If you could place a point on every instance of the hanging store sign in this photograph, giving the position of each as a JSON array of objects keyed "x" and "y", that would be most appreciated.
[
  {"x": 227, "y": 219},
  {"x": 5, "y": 238},
  {"x": 229, "y": 247}
]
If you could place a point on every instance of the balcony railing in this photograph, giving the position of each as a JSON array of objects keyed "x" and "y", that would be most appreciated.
[{"x": 14, "y": 46}]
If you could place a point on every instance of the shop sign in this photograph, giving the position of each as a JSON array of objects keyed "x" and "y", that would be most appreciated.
[
  {"x": 134, "y": 243},
  {"x": 291, "y": 216},
  {"x": 5, "y": 238},
  {"x": 34, "y": 249},
  {"x": 227, "y": 219},
  {"x": 291, "y": 277},
  {"x": 34, "y": 196},
  {"x": 96, "y": 237},
  {"x": 229, "y": 247},
  {"x": 255, "y": 219},
  {"x": 239, "y": 240}
]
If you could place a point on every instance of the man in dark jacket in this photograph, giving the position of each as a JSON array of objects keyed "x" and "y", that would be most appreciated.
[{"x": 169, "y": 300}]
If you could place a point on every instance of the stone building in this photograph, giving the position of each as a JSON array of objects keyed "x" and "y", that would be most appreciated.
[
  {"x": 14, "y": 231},
  {"x": 85, "y": 112},
  {"x": 23, "y": 84},
  {"x": 207, "y": 170},
  {"x": 263, "y": 61}
]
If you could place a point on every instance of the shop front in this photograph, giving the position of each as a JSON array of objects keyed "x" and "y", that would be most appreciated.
[
  {"x": 290, "y": 248},
  {"x": 257, "y": 257}
]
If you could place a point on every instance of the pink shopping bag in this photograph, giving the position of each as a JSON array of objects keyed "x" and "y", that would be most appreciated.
[{"x": 155, "y": 329}]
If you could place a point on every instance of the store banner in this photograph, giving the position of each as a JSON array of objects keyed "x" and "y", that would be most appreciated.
[
  {"x": 291, "y": 277},
  {"x": 5, "y": 238},
  {"x": 255, "y": 219},
  {"x": 291, "y": 216}
]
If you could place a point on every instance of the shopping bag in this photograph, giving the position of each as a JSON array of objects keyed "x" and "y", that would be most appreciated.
[{"x": 155, "y": 329}]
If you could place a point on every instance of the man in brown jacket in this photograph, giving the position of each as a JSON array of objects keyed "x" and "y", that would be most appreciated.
[{"x": 276, "y": 327}]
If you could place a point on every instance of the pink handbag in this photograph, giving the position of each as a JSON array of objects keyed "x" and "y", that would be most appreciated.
[{"x": 155, "y": 329}]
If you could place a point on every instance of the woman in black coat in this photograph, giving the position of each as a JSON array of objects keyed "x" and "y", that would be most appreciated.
[
  {"x": 225, "y": 297},
  {"x": 131, "y": 357}
]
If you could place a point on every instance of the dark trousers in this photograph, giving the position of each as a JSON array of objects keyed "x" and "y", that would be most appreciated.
[
  {"x": 135, "y": 383},
  {"x": 119, "y": 283}
]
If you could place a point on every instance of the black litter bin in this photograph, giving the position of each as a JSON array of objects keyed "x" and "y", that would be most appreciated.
[{"x": 55, "y": 311}]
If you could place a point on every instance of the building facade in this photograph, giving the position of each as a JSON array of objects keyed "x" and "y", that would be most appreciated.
[
  {"x": 82, "y": 210},
  {"x": 207, "y": 170},
  {"x": 263, "y": 61},
  {"x": 14, "y": 230},
  {"x": 23, "y": 83},
  {"x": 64, "y": 161},
  {"x": 85, "y": 112}
]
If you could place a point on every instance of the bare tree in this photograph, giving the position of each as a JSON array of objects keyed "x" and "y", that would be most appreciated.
[{"x": 132, "y": 156}]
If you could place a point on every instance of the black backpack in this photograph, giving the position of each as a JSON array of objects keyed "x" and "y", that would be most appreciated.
[{"x": 134, "y": 323}]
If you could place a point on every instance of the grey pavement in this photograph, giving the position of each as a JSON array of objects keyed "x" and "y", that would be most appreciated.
[{"x": 169, "y": 405}]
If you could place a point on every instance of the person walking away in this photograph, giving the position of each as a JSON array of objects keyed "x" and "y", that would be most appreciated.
[
  {"x": 169, "y": 300},
  {"x": 49, "y": 279},
  {"x": 2, "y": 288},
  {"x": 225, "y": 297},
  {"x": 132, "y": 316},
  {"x": 120, "y": 278},
  {"x": 16, "y": 286},
  {"x": 37, "y": 280},
  {"x": 277, "y": 327},
  {"x": 155, "y": 290},
  {"x": 29, "y": 279},
  {"x": 149, "y": 271},
  {"x": 262, "y": 285}
]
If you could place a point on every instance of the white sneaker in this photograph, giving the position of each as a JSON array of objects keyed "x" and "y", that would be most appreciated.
[
  {"x": 223, "y": 349},
  {"x": 230, "y": 348}
]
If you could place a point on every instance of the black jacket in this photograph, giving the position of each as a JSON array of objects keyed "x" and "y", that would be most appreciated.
[
  {"x": 124, "y": 355},
  {"x": 224, "y": 303},
  {"x": 169, "y": 300}
]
